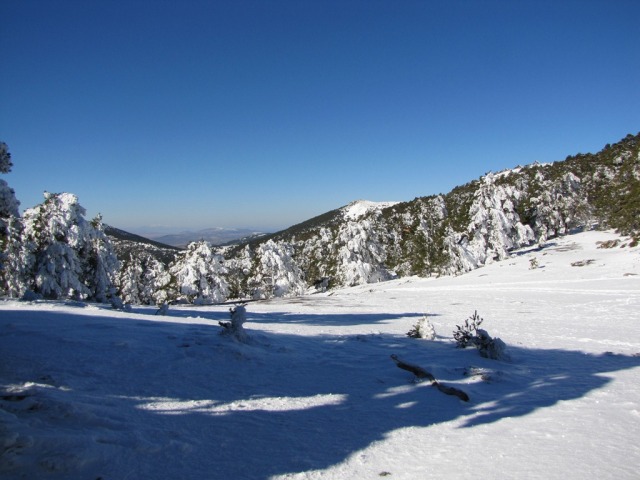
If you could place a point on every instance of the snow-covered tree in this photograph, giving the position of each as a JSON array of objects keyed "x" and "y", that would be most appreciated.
[
  {"x": 239, "y": 272},
  {"x": 10, "y": 229},
  {"x": 129, "y": 282},
  {"x": 5, "y": 158},
  {"x": 64, "y": 255},
  {"x": 275, "y": 273},
  {"x": 11, "y": 265},
  {"x": 199, "y": 274},
  {"x": 8, "y": 202},
  {"x": 100, "y": 263},
  {"x": 361, "y": 254},
  {"x": 143, "y": 280},
  {"x": 557, "y": 206},
  {"x": 495, "y": 226}
]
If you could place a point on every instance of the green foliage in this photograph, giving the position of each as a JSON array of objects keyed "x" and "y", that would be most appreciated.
[
  {"x": 465, "y": 334},
  {"x": 423, "y": 236},
  {"x": 458, "y": 204},
  {"x": 5, "y": 158}
]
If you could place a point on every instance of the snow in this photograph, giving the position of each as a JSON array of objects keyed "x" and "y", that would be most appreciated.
[
  {"x": 87, "y": 392},
  {"x": 359, "y": 208}
]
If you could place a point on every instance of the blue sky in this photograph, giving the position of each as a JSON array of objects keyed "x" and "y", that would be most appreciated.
[{"x": 195, "y": 114}]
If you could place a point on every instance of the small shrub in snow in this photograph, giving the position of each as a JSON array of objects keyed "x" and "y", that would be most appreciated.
[
  {"x": 31, "y": 296},
  {"x": 234, "y": 327},
  {"x": 470, "y": 334},
  {"x": 423, "y": 329},
  {"x": 163, "y": 309},
  {"x": 533, "y": 263},
  {"x": 118, "y": 304},
  {"x": 465, "y": 334},
  {"x": 489, "y": 347}
]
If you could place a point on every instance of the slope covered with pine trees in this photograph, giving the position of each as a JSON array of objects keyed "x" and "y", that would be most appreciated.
[
  {"x": 52, "y": 251},
  {"x": 471, "y": 226}
]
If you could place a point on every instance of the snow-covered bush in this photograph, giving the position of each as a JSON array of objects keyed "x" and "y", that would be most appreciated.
[
  {"x": 469, "y": 334},
  {"x": 423, "y": 329},
  {"x": 235, "y": 326},
  {"x": 489, "y": 347}
]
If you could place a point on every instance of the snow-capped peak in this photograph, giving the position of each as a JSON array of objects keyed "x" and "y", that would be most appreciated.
[{"x": 359, "y": 208}]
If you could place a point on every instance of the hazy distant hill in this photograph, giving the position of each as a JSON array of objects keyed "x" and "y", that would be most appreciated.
[
  {"x": 215, "y": 236},
  {"x": 129, "y": 245}
]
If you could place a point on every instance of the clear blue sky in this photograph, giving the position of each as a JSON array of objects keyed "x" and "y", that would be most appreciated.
[{"x": 209, "y": 113}]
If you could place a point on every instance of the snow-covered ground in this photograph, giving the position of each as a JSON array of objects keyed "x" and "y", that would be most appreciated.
[{"x": 90, "y": 393}]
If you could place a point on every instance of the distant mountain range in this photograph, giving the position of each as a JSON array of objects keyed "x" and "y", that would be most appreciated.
[
  {"x": 215, "y": 236},
  {"x": 165, "y": 247}
]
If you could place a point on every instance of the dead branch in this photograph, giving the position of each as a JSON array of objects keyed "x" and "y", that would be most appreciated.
[{"x": 421, "y": 373}]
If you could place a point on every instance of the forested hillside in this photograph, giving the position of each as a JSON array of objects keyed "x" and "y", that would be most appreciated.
[
  {"x": 472, "y": 225},
  {"x": 53, "y": 252}
]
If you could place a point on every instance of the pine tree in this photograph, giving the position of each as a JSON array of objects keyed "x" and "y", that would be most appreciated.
[
  {"x": 199, "y": 275},
  {"x": 275, "y": 273},
  {"x": 495, "y": 226},
  {"x": 10, "y": 229},
  {"x": 143, "y": 280},
  {"x": 100, "y": 263},
  {"x": 5, "y": 158},
  {"x": 129, "y": 282},
  {"x": 64, "y": 255}
]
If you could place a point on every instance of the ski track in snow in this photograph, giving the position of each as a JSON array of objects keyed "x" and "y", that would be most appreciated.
[{"x": 88, "y": 393}]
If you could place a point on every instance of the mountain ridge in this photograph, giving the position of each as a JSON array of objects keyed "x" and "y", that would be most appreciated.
[
  {"x": 447, "y": 234},
  {"x": 365, "y": 242},
  {"x": 213, "y": 235}
]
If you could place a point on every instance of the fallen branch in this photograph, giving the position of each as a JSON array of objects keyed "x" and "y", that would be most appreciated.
[{"x": 421, "y": 373}]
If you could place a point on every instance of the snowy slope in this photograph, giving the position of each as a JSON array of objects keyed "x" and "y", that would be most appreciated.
[
  {"x": 359, "y": 208},
  {"x": 87, "y": 393}
]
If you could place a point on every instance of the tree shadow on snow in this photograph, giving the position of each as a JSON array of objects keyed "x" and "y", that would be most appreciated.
[
  {"x": 284, "y": 317},
  {"x": 215, "y": 408}
]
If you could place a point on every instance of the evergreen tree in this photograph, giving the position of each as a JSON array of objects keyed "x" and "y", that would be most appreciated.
[
  {"x": 275, "y": 273},
  {"x": 495, "y": 226},
  {"x": 143, "y": 280},
  {"x": 5, "y": 158},
  {"x": 10, "y": 229},
  {"x": 100, "y": 263},
  {"x": 64, "y": 255},
  {"x": 199, "y": 275}
]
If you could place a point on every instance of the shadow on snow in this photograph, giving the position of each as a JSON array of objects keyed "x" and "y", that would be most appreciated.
[{"x": 209, "y": 395}]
